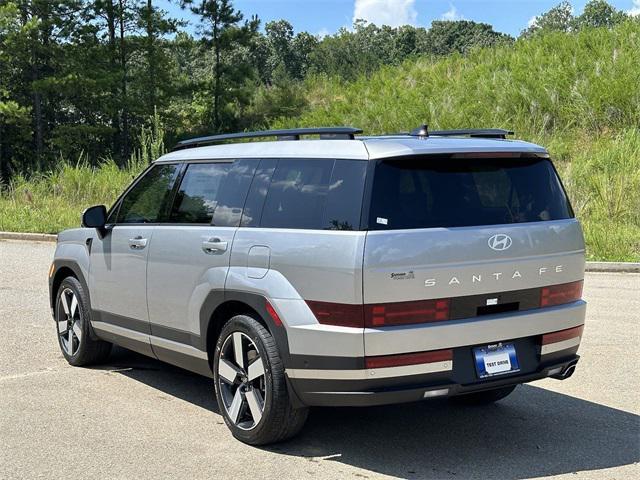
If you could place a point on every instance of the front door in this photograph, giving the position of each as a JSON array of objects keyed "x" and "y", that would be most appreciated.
[
  {"x": 189, "y": 257},
  {"x": 118, "y": 272}
]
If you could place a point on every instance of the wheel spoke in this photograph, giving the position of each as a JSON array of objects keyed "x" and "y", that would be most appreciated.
[
  {"x": 237, "y": 349},
  {"x": 74, "y": 306},
  {"x": 227, "y": 371},
  {"x": 256, "y": 369},
  {"x": 70, "y": 342},
  {"x": 236, "y": 404},
  {"x": 65, "y": 304},
  {"x": 255, "y": 404},
  {"x": 62, "y": 326},
  {"x": 77, "y": 330}
]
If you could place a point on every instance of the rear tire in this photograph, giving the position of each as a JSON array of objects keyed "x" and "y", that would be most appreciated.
[
  {"x": 250, "y": 385},
  {"x": 483, "y": 398},
  {"x": 73, "y": 318}
]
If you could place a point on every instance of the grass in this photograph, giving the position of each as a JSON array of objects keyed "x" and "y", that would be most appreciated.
[{"x": 576, "y": 94}]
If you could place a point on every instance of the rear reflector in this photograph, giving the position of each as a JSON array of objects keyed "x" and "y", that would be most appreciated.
[
  {"x": 562, "y": 335},
  {"x": 404, "y": 313},
  {"x": 339, "y": 314},
  {"x": 408, "y": 359},
  {"x": 273, "y": 314},
  {"x": 559, "y": 294}
]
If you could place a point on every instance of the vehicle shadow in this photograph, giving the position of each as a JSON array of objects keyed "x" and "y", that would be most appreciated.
[{"x": 532, "y": 433}]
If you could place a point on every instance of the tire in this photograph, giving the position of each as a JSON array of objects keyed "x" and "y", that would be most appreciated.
[
  {"x": 253, "y": 396},
  {"x": 72, "y": 317},
  {"x": 485, "y": 397}
]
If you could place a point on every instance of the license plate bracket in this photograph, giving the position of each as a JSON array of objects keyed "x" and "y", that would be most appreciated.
[{"x": 496, "y": 359}]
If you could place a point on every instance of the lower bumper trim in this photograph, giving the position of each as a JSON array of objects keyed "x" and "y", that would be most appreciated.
[{"x": 417, "y": 393}]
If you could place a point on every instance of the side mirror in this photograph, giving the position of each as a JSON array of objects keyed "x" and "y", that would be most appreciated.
[{"x": 95, "y": 217}]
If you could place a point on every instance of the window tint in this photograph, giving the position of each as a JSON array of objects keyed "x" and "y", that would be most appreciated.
[
  {"x": 297, "y": 194},
  {"x": 258, "y": 192},
  {"x": 233, "y": 193},
  {"x": 430, "y": 192},
  {"x": 344, "y": 197},
  {"x": 147, "y": 200},
  {"x": 197, "y": 198}
]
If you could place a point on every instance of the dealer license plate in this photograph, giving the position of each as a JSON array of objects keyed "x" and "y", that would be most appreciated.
[{"x": 496, "y": 359}]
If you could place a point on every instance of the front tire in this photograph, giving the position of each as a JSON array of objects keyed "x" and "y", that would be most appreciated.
[
  {"x": 485, "y": 397},
  {"x": 73, "y": 315},
  {"x": 250, "y": 384}
]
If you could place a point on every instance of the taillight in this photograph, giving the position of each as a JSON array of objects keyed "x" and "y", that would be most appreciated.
[
  {"x": 559, "y": 294},
  {"x": 339, "y": 314},
  {"x": 562, "y": 335},
  {"x": 404, "y": 313},
  {"x": 409, "y": 359},
  {"x": 273, "y": 314}
]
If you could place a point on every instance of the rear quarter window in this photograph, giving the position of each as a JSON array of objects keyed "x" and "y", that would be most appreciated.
[
  {"x": 424, "y": 192},
  {"x": 315, "y": 194}
]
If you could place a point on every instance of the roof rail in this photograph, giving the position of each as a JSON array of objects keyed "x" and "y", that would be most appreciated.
[
  {"x": 423, "y": 131},
  {"x": 333, "y": 133}
]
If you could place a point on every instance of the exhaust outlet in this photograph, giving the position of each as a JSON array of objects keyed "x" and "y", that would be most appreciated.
[
  {"x": 568, "y": 372},
  {"x": 559, "y": 374}
]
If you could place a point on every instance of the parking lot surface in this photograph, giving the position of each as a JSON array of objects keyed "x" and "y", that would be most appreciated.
[{"x": 138, "y": 418}]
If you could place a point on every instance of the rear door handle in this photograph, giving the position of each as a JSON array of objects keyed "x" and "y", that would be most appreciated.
[
  {"x": 137, "y": 243},
  {"x": 214, "y": 245}
]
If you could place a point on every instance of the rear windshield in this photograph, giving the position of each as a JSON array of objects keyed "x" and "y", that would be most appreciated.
[{"x": 423, "y": 192}]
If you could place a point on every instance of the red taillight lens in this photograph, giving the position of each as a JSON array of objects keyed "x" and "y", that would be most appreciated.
[
  {"x": 559, "y": 294},
  {"x": 339, "y": 314},
  {"x": 408, "y": 359},
  {"x": 404, "y": 313},
  {"x": 562, "y": 335},
  {"x": 273, "y": 314}
]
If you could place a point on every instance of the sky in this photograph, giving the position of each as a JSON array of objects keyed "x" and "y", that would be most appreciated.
[{"x": 322, "y": 17}]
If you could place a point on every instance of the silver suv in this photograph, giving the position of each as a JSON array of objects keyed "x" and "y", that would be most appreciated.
[{"x": 344, "y": 270}]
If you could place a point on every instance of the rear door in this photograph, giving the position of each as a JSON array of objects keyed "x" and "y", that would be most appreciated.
[
  {"x": 189, "y": 257},
  {"x": 485, "y": 233},
  {"x": 119, "y": 260}
]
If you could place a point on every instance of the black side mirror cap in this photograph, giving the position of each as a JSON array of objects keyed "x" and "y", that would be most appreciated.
[{"x": 95, "y": 217}]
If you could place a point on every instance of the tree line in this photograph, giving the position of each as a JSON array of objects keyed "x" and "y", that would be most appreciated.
[{"x": 88, "y": 75}]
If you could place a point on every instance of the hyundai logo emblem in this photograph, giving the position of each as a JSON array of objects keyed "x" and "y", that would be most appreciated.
[{"x": 500, "y": 242}]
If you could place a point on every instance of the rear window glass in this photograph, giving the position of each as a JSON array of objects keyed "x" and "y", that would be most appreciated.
[{"x": 427, "y": 192}]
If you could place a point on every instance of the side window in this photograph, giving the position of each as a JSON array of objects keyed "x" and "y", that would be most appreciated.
[
  {"x": 344, "y": 198},
  {"x": 297, "y": 195},
  {"x": 197, "y": 198},
  {"x": 258, "y": 192},
  {"x": 147, "y": 200},
  {"x": 233, "y": 193}
]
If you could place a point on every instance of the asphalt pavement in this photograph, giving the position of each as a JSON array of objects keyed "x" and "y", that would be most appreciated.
[{"x": 138, "y": 418}]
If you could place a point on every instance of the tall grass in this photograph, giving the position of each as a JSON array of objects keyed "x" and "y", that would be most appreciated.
[
  {"x": 51, "y": 202},
  {"x": 577, "y": 94}
]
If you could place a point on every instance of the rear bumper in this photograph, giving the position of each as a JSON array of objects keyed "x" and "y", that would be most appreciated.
[{"x": 436, "y": 387}]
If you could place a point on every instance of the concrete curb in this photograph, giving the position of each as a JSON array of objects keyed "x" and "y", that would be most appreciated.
[
  {"x": 616, "y": 267},
  {"x": 30, "y": 237},
  {"x": 620, "y": 267}
]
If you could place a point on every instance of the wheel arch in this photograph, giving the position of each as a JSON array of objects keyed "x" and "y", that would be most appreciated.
[{"x": 61, "y": 270}]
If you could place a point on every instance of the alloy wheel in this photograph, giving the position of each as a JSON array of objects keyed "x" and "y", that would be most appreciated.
[
  {"x": 69, "y": 319},
  {"x": 241, "y": 380}
]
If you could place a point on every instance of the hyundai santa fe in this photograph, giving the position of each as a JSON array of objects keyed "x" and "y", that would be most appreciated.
[{"x": 320, "y": 267}]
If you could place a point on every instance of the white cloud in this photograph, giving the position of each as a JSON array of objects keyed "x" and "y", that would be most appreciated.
[
  {"x": 323, "y": 33},
  {"x": 532, "y": 21},
  {"x": 635, "y": 10},
  {"x": 452, "y": 14},
  {"x": 386, "y": 12}
]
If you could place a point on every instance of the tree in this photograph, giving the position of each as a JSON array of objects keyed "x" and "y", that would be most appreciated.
[
  {"x": 598, "y": 13},
  {"x": 221, "y": 30},
  {"x": 558, "y": 19},
  {"x": 446, "y": 37}
]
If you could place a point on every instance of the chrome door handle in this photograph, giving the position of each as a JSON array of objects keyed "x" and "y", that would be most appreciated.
[
  {"x": 214, "y": 245},
  {"x": 137, "y": 243}
]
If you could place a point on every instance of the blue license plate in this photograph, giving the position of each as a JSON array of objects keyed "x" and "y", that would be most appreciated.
[{"x": 498, "y": 359}]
